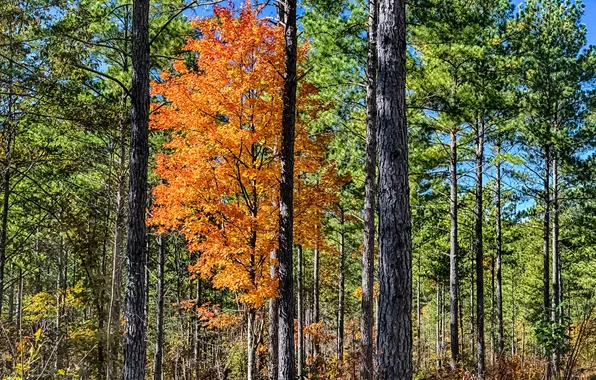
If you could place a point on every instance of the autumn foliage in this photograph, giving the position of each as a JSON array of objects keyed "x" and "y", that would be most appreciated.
[{"x": 221, "y": 106}]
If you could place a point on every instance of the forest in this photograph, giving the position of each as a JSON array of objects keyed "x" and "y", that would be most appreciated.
[{"x": 289, "y": 190}]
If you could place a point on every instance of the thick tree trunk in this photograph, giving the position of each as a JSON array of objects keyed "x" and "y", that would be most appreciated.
[
  {"x": 370, "y": 190},
  {"x": 394, "y": 344},
  {"x": 300, "y": 312},
  {"x": 136, "y": 319},
  {"x": 479, "y": 249},
  {"x": 287, "y": 369},
  {"x": 158, "y": 358},
  {"x": 499, "y": 254},
  {"x": 453, "y": 251},
  {"x": 273, "y": 325}
]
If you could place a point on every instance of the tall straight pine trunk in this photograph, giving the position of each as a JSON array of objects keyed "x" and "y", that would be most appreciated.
[
  {"x": 287, "y": 369},
  {"x": 546, "y": 302},
  {"x": 556, "y": 276},
  {"x": 136, "y": 318},
  {"x": 394, "y": 343},
  {"x": 370, "y": 187},
  {"x": 499, "y": 254},
  {"x": 453, "y": 248},
  {"x": 479, "y": 249}
]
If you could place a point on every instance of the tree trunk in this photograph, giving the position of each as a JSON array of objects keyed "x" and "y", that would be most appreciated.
[
  {"x": 546, "y": 234},
  {"x": 394, "y": 345},
  {"x": 11, "y": 295},
  {"x": 136, "y": 319},
  {"x": 418, "y": 318},
  {"x": 438, "y": 327},
  {"x": 287, "y": 370},
  {"x": 546, "y": 244},
  {"x": 499, "y": 254},
  {"x": 252, "y": 347},
  {"x": 8, "y": 142},
  {"x": 453, "y": 248},
  {"x": 370, "y": 190},
  {"x": 20, "y": 299},
  {"x": 556, "y": 298},
  {"x": 316, "y": 310},
  {"x": 61, "y": 284},
  {"x": 158, "y": 359},
  {"x": 472, "y": 319},
  {"x": 197, "y": 329},
  {"x": 4, "y": 222},
  {"x": 513, "y": 339},
  {"x": 492, "y": 311},
  {"x": 341, "y": 295},
  {"x": 480, "y": 349},
  {"x": 300, "y": 311},
  {"x": 273, "y": 325},
  {"x": 116, "y": 281}
]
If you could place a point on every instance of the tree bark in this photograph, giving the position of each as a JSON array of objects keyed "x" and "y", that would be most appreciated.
[
  {"x": 11, "y": 295},
  {"x": 453, "y": 248},
  {"x": 546, "y": 234},
  {"x": 5, "y": 206},
  {"x": 499, "y": 254},
  {"x": 300, "y": 311},
  {"x": 394, "y": 345},
  {"x": 316, "y": 310},
  {"x": 513, "y": 339},
  {"x": 136, "y": 324},
  {"x": 370, "y": 190},
  {"x": 287, "y": 369},
  {"x": 546, "y": 244},
  {"x": 116, "y": 281},
  {"x": 438, "y": 350},
  {"x": 197, "y": 329},
  {"x": 158, "y": 359},
  {"x": 418, "y": 318},
  {"x": 273, "y": 325},
  {"x": 556, "y": 297},
  {"x": 341, "y": 293},
  {"x": 252, "y": 347},
  {"x": 480, "y": 349}
]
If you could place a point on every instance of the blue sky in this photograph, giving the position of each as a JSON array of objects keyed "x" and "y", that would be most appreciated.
[{"x": 589, "y": 19}]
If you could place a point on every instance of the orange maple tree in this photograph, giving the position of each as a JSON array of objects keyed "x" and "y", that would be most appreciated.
[{"x": 222, "y": 106}]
